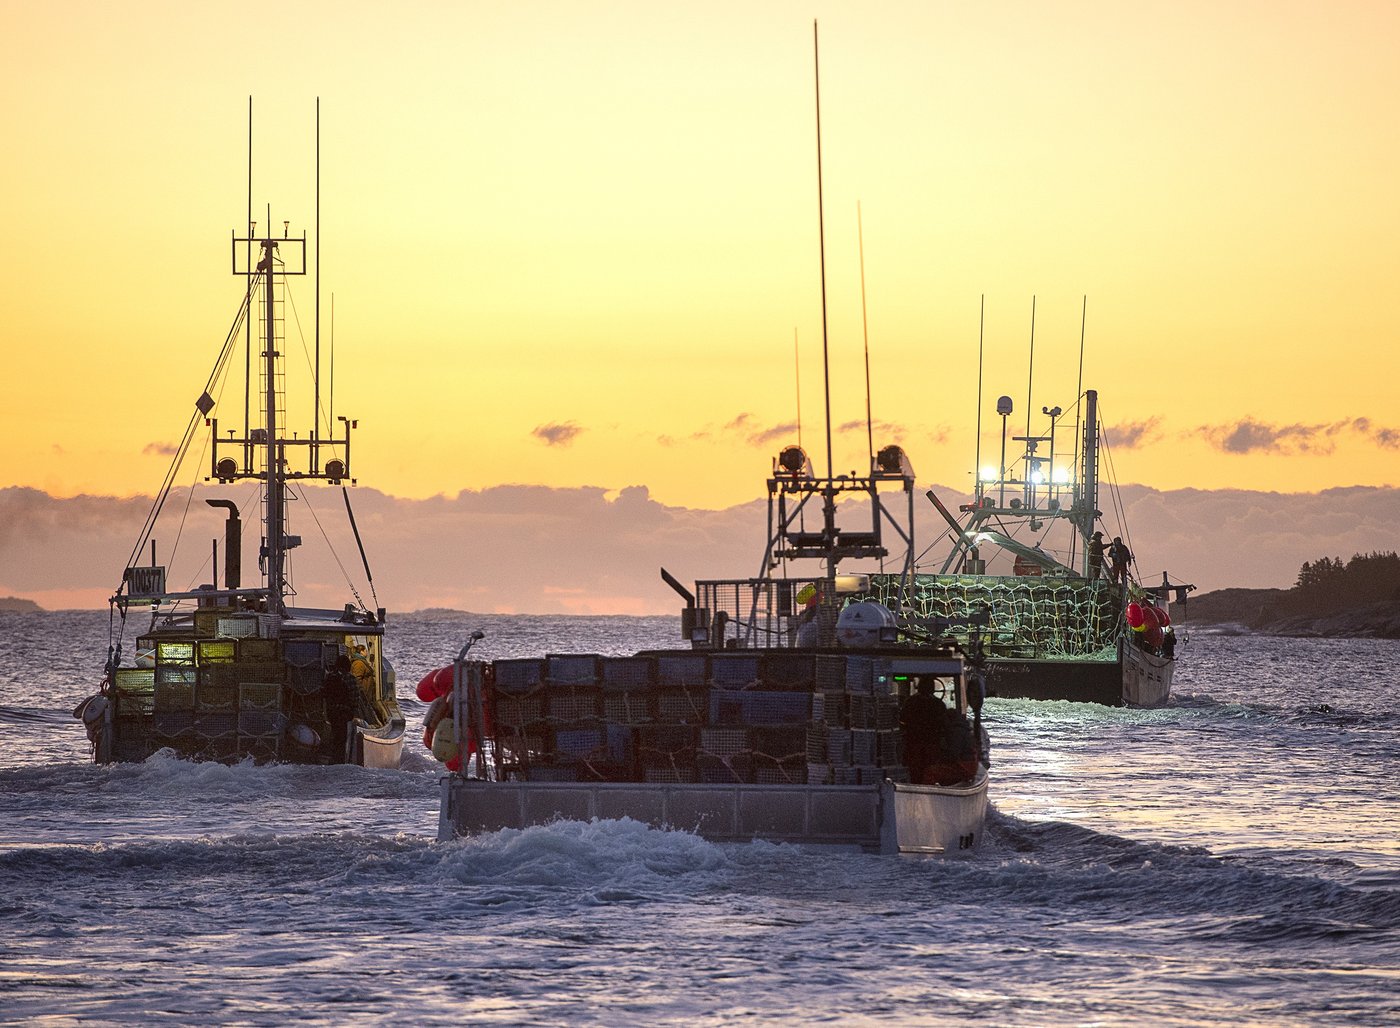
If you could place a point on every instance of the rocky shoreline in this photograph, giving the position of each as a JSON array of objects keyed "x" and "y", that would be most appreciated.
[{"x": 1255, "y": 609}]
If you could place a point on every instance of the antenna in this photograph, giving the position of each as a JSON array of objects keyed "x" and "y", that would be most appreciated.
[
  {"x": 1030, "y": 377},
  {"x": 821, "y": 239},
  {"x": 316, "y": 388},
  {"x": 248, "y": 297},
  {"x": 977, "y": 460},
  {"x": 797, "y": 374},
  {"x": 1079, "y": 387},
  {"x": 865, "y": 332},
  {"x": 330, "y": 419}
]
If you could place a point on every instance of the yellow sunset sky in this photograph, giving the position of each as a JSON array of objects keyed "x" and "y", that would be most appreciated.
[{"x": 572, "y": 243}]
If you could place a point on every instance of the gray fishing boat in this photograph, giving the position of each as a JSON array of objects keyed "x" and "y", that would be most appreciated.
[{"x": 229, "y": 671}]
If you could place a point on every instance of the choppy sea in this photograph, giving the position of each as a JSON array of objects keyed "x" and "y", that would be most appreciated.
[{"x": 1233, "y": 858}]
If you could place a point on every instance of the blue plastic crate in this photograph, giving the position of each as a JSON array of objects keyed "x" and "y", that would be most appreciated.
[
  {"x": 734, "y": 670},
  {"x": 518, "y": 676},
  {"x": 682, "y": 670},
  {"x": 571, "y": 669},
  {"x": 622, "y": 674},
  {"x": 777, "y": 708},
  {"x": 571, "y": 744}
]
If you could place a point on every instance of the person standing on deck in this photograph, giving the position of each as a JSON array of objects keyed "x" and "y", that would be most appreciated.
[
  {"x": 338, "y": 690},
  {"x": 1096, "y": 548},
  {"x": 1119, "y": 557}
]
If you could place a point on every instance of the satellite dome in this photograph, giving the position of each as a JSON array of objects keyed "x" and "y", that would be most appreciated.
[{"x": 860, "y": 623}]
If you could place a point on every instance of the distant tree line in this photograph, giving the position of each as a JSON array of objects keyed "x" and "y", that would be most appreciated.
[{"x": 1333, "y": 584}]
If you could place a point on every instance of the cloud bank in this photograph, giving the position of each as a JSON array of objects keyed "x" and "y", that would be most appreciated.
[{"x": 517, "y": 548}]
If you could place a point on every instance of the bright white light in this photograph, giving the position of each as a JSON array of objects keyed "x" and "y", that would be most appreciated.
[
  {"x": 1062, "y": 476},
  {"x": 1037, "y": 476},
  {"x": 989, "y": 474}
]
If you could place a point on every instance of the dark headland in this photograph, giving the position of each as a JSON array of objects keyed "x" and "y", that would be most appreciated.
[
  {"x": 1359, "y": 598},
  {"x": 19, "y": 606}
]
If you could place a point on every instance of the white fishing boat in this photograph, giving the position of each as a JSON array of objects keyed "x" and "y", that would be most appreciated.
[
  {"x": 790, "y": 717},
  {"x": 730, "y": 746},
  {"x": 228, "y": 671}
]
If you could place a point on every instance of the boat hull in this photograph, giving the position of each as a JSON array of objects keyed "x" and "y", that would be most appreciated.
[
  {"x": 380, "y": 747},
  {"x": 1142, "y": 679},
  {"x": 887, "y": 818},
  {"x": 1147, "y": 678},
  {"x": 1079, "y": 681}
]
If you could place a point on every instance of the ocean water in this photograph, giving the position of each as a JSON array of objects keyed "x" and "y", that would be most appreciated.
[{"x": 1233, "y": 858}]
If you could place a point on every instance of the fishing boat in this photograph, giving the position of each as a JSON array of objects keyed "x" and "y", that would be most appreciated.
[
  {"x": 1030, "y": 573},
  {"x": 233, "y": 672},
  {"x": 801, "y": 747},
  {"x": 767, "y": 726}
]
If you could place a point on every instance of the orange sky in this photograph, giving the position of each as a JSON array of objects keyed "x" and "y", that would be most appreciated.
[{"x": 602, "y": 217}]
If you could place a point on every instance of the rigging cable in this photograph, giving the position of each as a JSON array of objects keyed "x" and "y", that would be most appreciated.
[
  {"x": 1113, "y": 490},
  {"x": 336, "y": 557},
  {"x": 203, "y": 405}
]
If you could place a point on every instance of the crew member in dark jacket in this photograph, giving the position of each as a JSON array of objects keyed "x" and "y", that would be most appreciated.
[
  {"x": 338, "y": 691},
  {"x": 939, "y": 748}
]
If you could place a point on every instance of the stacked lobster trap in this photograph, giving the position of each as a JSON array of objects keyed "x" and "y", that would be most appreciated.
[{"x": 752, "y": 717}]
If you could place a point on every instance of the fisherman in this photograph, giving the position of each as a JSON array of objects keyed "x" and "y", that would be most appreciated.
[
  {"x": 921, "y": 722},
  {"x": 338, "y": 690},
  {"x": 808, "y": 625},
  {"x": 939, "y": 748},
  {"x": 1119, "y": 557},
  {"x": 1096, "y": 548}
]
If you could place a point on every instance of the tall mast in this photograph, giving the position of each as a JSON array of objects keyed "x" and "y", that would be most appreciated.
[
  {"x": 1090, "y": 475},
  {"x": 276, "y": 548}
]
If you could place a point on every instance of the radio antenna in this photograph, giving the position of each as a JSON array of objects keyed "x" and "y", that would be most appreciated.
[
  {"x": 316, "y": 410},
  {"x": 1030, "y": 379},
  {"x": 797, "y": 374},
  {"x": 865, "y": 332},
  {"x": 981, "y": 335},
  {"x": 821, "y": 240}
]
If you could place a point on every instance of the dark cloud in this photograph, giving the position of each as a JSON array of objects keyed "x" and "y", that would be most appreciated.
[
  {"x": 1134, "y": 434},
  {"x": 555, "y": 434},
  {"x": 879, "y": 428},
  {"x": 778, "y": 433},
  {"x": 160, "y": 449},
  {"x": 1251, "y": 436},
  {"x": 1388, "y": 437},
  {"x": 740, "y": 422}
]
